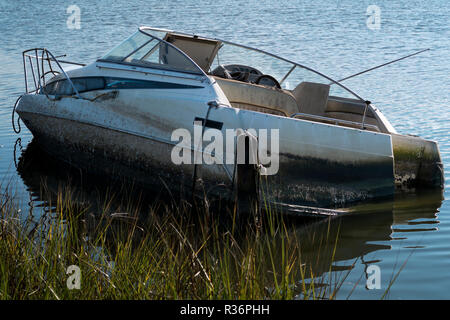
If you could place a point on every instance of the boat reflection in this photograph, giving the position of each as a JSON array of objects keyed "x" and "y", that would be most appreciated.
[{"x": 45, "y": 177}]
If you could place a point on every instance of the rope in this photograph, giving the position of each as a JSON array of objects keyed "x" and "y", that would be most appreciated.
[{"x": 18, "y": 119}]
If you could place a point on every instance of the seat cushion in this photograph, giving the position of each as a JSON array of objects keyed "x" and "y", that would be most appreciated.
[
  {"x": 255, "y": 97},
  {"x": 311, "y": 97}
]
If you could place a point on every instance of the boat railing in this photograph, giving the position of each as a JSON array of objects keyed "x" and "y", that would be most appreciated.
[
  {"x": 39, "y": 62},
  {"x": 338, "y": 122}
]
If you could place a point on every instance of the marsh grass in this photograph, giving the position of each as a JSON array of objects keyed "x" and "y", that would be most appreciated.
[{"x": 167, "y": 250}]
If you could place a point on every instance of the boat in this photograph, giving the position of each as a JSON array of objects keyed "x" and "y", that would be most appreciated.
[{"x": 317, "y": 142}]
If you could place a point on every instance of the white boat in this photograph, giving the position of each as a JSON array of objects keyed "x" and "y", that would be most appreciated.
[{"x": 118, "y": 114}]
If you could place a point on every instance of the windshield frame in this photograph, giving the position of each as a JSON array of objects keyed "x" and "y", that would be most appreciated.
[
  {"x": 198, "y": 72},
  {"x": 294, "y": 64}
]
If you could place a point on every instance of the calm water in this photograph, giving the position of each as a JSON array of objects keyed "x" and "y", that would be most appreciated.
[{"x": 331, "y": 36}]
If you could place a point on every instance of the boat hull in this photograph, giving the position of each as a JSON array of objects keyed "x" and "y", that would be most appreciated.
[{"x": 320, "y": 165}]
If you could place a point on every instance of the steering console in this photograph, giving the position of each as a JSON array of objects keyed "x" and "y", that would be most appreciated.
[{"x": 245, "y": 74}]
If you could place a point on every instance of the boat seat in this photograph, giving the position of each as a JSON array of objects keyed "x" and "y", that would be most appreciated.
[
  {"x": 311, "y": 97},
  {"x": 347, "y": 105},
  {"x": 260, "y": 98},
  {"x": 348, "y": 109}
]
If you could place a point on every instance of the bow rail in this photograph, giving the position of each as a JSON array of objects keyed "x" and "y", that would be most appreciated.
[{"x": 40, "y": 62}]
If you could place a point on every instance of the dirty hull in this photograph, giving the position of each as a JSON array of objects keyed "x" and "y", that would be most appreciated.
[
  {"x": 418, "y": 163},
  {"x": 325, "y": 183},
  {"x": 148, "y": 162},
  {"x": 110, "y": 153},
  {"x": 320, "y": 165}
]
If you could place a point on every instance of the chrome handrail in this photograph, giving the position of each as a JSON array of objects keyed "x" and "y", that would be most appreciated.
[
  {"x": 142, "y": 30},
  {"x": 39, "y": 69},
  {"x": 335, "y": 121},
  {"x": 260, "y": 51}
]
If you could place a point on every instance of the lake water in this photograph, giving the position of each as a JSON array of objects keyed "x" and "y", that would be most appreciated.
[{"x": 331, "y": 36}]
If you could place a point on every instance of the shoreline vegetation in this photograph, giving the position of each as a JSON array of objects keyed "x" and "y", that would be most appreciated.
[{"x": 127, "y": 249}]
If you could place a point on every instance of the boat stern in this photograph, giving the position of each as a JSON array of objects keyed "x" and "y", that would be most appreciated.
[{"x": 417, "y": 162}]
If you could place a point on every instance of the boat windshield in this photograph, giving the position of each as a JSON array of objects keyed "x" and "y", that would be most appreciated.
[{"x": 146, "y": 49}]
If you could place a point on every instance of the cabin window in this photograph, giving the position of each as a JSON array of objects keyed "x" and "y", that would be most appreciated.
[{"x": 64, "y": 88}]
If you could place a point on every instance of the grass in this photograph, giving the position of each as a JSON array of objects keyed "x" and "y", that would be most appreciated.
[{"x": 127, "y": 249}]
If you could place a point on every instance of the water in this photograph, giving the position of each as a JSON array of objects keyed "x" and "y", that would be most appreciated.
[{"x": 331, "y": 36}]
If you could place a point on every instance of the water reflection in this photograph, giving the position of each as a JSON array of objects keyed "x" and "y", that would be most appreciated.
[
  {"x": 370, "y": 227},
  {"x": 45, "y": 176},
  {"x": 366, "y": 229}
]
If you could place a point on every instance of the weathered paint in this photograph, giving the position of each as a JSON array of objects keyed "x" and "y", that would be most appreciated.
[{"x": 322, "y": 182}]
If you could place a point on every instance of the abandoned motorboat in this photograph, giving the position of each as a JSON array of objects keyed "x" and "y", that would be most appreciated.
[{"x": 121, "y": 112}]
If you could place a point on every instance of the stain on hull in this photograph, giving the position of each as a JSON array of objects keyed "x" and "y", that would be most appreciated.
[
  {"x": 417, "y": 162},
  {"x": 324, "y": 183}
]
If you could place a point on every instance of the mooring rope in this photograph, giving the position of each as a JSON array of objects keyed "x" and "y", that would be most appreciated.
[{"x": 18, "y": 119}]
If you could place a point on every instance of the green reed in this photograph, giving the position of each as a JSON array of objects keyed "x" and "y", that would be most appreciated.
[{"x": 168, "y": 250}]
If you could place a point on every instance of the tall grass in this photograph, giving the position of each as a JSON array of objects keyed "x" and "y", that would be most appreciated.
[{"x": 168, "y": 250}]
